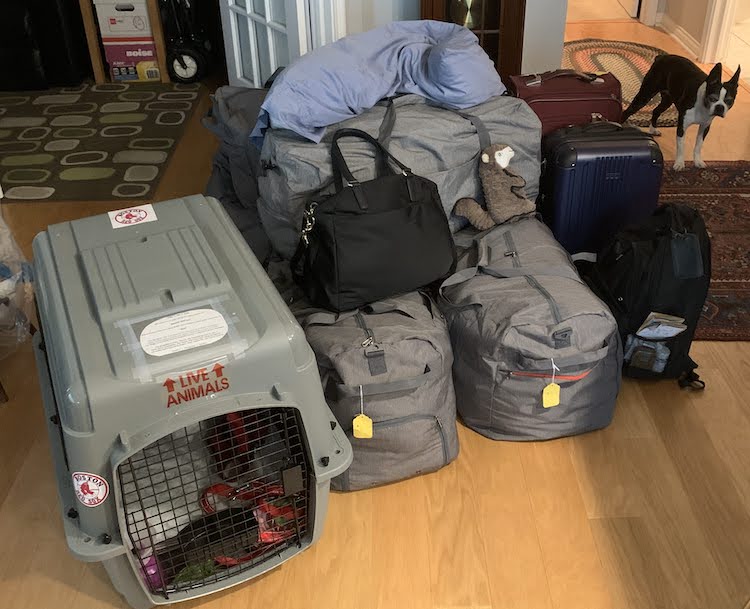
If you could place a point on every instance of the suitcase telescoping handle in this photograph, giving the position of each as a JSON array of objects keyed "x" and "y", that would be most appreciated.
[
  {"x": 603, "y": 126},
  {"x": 540, "y": 79}
]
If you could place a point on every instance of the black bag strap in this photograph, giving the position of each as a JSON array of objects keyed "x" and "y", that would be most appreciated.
[
  {"x": 295, "y": 264},
  {"x": 690, "y": 380},
  {"x": 341, "y": 170}
]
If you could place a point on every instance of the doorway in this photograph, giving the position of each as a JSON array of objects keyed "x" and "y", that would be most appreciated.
[
  {"x": 645, "y": 11},
  {"x": 726, "y": 35},
  {"x": 599, "y": 10},
  {"x": 738, "y": 46}
]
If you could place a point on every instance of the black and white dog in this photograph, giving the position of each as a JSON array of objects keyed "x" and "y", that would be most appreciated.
[{"x": 698, "y": 98}]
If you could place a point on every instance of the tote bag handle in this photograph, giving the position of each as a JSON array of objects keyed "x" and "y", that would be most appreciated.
[{"x": 341, "y": 169}]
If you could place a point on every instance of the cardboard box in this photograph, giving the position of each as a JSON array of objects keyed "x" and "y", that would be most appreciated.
[
  {"x": 127, "y": 19},
  {"x": 132, "y": 60}
]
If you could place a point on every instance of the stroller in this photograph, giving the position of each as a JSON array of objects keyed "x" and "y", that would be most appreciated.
[{"x": 188, "y": 47}]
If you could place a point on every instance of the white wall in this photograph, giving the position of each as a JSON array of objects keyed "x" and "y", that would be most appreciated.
[
  {"x": 543, "y": 35},
  {"x": 743, "y": 11},
  {"x": 362, "y": 15},
  {"x": 690, "y": 15}
]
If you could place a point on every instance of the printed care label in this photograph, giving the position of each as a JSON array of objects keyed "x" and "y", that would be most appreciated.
[
  {"x": 183, "y": 331},
  {"x": 132, "y": 215},
  {"x": 90, "y": 489}
]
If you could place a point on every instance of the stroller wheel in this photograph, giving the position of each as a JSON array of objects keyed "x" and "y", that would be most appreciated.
[{"x": 186, "y": 65}]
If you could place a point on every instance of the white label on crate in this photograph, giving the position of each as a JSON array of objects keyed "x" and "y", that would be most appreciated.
[
  {"x": 183, "y": 331},
  {"x": 132, "y": 215},
  {"x": 90, "y": 489}
]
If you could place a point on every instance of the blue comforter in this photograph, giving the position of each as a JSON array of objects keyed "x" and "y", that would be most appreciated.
[{"x": 440, "y": 61}]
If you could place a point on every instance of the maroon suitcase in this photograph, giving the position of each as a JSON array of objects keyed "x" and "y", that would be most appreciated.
[{"x": 565, "y": 97}]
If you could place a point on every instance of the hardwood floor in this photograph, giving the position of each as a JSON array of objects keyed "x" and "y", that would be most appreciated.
[
  {"x": 650, "y": 513},
  {"x": 596, "y": 10}
]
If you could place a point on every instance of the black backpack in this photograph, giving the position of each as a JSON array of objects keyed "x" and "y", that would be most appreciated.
[{"x": 663, "y": 266}]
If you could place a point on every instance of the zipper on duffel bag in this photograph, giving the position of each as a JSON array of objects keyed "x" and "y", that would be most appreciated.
[
  {"x": 547, "y": 296},
  {"x": 417, "y": 417},
  {"x": 369, "y": 336},
  {"x": 373, "y": 352},
  {"x": 512, "y": 252},
  {"x": 565, "y": 378}
]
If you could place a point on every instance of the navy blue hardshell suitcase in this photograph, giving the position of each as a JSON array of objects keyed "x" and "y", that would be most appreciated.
[{"x": 597, "y": 178}]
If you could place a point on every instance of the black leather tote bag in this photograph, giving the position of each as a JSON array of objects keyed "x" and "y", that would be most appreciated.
[{"x": 372, "y": 240}]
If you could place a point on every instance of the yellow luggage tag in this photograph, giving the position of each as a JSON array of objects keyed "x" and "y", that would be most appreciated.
[
  {"x": 362, "y": 424},
  {"x": 551, "y": 393}
]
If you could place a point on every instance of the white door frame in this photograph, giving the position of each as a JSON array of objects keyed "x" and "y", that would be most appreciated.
[
  {"x": 649, "y": 12},
  {"x": 310, "y": 24},
  {"x": 717, "y": 29},
  {"x": 327, "y": 21},
  {"x": 296, "y": 30},
  {"x": 630, "y": 6}
]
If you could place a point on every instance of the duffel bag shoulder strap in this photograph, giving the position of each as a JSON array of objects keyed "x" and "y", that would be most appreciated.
[
  {"x": 508, "y": 273},
  {"x": 389, "y": 121},
  {"x": 466, "y": 274},
  {"x": 482, "y": 132},
  {"x": 326, "y": 318}
]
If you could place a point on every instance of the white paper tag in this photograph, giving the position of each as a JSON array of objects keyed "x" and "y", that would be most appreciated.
[
  {"x": 183, "y": 331},
  {"x": 132, "y": 215}
]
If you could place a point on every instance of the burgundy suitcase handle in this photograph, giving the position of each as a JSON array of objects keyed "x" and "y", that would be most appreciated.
[{"x": 540, "y": 79}]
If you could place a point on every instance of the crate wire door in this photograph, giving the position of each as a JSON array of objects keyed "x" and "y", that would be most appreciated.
[
  {"x": 261, "y": 36},
  {"x": 216, "y": 499}
]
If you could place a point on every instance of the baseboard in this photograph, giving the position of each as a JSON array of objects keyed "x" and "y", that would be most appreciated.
[{"x": 680, "y": 34}]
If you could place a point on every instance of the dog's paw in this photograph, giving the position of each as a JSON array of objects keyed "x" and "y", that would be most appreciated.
[
  {"x": 700, "y": 164},
  {"x": 654, "y": 131},
  {"x": 678, "y": 165}
]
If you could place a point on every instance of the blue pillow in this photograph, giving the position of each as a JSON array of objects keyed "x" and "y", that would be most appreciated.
[{"x": 440, "y": 61}]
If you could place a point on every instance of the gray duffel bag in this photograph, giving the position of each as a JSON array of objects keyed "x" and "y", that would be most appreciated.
[
  {"x": 520, "y": 320},
  {"x": 398, "y": 353},
  {"x": 436, "y": 143}
]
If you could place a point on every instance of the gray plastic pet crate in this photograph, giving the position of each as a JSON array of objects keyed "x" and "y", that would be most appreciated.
[{"x": 192, "y": 443}]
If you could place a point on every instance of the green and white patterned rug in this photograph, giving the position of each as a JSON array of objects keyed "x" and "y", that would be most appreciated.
[{"x": 93, "y": 142}]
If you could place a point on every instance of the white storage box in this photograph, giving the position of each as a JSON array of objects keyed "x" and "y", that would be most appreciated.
[{"x": 122, "y": 19}]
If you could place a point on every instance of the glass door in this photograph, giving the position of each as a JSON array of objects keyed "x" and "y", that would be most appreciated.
[
  {"x": 261, "y": 36},
  {"x": 480, "y": 16}
]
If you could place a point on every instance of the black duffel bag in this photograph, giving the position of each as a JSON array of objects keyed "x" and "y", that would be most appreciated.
[
  {"x": 375, "y": 239},
  {"x": 662, "y": 265}
]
